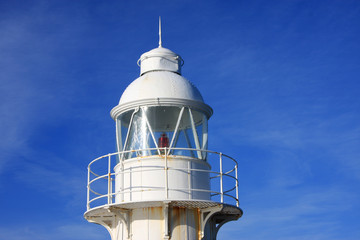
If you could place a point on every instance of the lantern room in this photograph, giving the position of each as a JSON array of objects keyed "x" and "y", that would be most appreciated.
[{"x": 158, "y": 127}]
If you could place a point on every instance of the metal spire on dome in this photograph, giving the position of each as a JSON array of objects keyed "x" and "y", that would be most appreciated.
[{"x": 160, "y": 42}]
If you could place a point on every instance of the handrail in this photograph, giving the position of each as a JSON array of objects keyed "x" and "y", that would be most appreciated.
[
  {"x": 105, "y": 176},
  {"x": 96, "y": 193},
  {"x": 226, "y": 170},
  {"x": 150, "y": 149}
]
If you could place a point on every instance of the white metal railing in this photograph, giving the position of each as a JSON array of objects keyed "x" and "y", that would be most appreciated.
[{"x": 223, "y": 177}]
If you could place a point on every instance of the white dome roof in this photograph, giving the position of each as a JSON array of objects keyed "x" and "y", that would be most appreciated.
[{"x": 160, "y": 84}]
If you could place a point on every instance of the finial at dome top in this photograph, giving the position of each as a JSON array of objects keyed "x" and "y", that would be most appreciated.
[
  {"x": 160, "y": 42},
  {"x": 160, "y": 59}
]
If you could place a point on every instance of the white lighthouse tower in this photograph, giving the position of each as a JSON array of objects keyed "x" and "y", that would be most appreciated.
[{"x": 163, "y": 182}]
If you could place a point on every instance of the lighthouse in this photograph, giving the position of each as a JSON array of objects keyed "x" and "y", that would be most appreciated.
[{"x": 162, "y": 182}]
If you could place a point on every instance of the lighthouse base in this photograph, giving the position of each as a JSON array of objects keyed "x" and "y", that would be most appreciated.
[{"x": 176, "y": 220}]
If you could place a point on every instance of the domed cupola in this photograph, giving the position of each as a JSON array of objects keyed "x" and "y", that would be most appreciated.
[{"x": 161, "y": 83}]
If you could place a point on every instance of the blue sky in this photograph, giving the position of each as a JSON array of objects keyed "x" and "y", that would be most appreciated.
[{"x": 281, "y": 76}]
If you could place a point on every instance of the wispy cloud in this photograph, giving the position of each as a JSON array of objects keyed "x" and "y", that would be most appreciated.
[
  {"x": 37, "y": 84},
  {"x": 317, "y": 138},
  {"x": 293, "y": 214},
  {"x": 69, "y": 231},
  {"x": 57, "y": 177}
]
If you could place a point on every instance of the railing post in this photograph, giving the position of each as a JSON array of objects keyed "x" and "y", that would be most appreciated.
[
  {"x": 122, "y": 177},
  {"x": 221, "y": 180},
  {"x": 109, "y": 179},
  {"x": 237, "y": 185},
  {"x": 88, "y": 190},
  {"x": 189, "y": 180},
  {"x": 166, "y": 177}
]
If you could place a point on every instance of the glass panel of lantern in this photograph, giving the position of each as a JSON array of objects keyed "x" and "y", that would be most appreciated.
[
  {"x": 162, "y": 121},
  {"x": 138, "y": 136},
  {"x": 122, "y": 126},
  {"x": 140, "y": 129},
  {"x": 192, "y": 134}
]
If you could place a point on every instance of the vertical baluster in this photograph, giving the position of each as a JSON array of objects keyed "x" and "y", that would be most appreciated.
[
  {"x": 166, "y": 176},
  {"x": 221, "y": 180},
  {"x": 189, "y": 180},
  {"x": 237, "y": 185},
  {"x": 109, "y": 179},
  {"x": 88, "y": 189}
]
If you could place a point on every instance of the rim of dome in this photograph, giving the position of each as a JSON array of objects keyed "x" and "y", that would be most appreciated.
[{"x": 178, "y": 102}]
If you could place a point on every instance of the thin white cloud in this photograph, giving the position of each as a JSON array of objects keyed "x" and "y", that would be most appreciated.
[
  {"x": 34, "y": 90},
  {"x": 58, "y": 178},
  {"x": 315, "y": 136},
  {"x": 292, "y": 214},
  {"x": 46, "y": 230}
]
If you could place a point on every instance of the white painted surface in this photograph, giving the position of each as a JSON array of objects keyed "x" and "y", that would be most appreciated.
[
  {"x": 160, "y": 84},
  {"x": 160, "y": 59},
  {"x": 145, "y": 179},
  {"x": 147, "y": 223}
]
